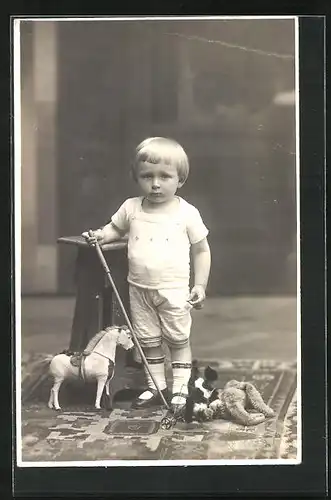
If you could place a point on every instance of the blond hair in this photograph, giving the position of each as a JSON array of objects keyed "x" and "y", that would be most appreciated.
[{"x": 162, "y": 150}]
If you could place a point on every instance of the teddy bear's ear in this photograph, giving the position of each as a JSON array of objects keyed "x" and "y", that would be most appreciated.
[{"x": 210, "y": 374}]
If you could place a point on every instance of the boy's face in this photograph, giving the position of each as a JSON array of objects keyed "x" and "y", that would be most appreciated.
[{"x": 158, "y": 182}]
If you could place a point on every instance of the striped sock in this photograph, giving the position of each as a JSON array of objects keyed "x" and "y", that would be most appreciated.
[
  {"x": 156, "y": 366},
  {"x": 181, "y": 373}
]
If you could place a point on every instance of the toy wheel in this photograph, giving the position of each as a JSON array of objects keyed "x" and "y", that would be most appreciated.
[{"x": 167, "y": 423}]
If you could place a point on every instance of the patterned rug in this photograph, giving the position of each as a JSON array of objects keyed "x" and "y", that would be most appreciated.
[{"x": 80, "y": 433}]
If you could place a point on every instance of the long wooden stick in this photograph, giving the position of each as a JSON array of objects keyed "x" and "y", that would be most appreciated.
[{"x": 127, "y": 319}]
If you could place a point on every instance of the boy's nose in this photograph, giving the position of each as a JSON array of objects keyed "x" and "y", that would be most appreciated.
[{"x": 155, "y": 184}]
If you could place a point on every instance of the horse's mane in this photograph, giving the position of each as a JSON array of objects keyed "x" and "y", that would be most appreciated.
[{"x": 94, "y": 340}]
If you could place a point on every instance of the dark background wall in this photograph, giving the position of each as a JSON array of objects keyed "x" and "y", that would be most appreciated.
[{"x": 213, "y": 86}]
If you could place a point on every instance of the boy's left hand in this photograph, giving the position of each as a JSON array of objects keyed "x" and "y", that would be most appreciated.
[{"x": 197, "y": 296}]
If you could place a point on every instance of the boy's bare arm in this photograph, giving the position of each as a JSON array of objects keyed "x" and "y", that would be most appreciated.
[
  {"x": 111, "y": 233},
  {"x": 201, "y": 258}
]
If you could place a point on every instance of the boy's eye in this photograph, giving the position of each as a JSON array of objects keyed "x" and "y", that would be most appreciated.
[{"x": 150, "y": 176}]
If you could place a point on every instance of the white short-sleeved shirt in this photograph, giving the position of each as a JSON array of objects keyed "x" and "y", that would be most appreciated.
[{"x": 159, "y": 244}]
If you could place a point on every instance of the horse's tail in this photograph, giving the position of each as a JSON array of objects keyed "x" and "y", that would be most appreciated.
[{"x": 48, "y": 358}]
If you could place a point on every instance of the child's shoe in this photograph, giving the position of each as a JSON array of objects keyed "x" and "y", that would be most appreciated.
[{"x": 154, "y": 400}]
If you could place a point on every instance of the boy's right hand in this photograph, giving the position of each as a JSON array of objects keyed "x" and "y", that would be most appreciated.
[{"x": 92, "y": 237}]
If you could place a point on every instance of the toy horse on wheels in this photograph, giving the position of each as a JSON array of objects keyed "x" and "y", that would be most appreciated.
[{"x": 97, "y": 361}]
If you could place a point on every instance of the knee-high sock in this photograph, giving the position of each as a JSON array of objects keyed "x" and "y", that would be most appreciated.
[
  {"x": 181, "y": 372},
  {"x": 157, "y": 369}
]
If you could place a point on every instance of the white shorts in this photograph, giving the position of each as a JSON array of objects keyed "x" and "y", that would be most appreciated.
[{"x": 160, "y": 315}]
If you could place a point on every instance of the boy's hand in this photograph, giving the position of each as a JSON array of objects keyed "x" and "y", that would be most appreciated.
[
  {"x": 92, "y": 237},
  {"x": 197, "y": 296}
]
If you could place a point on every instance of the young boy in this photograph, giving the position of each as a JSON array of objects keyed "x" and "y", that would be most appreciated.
[{"x": 162, "y": 230}]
